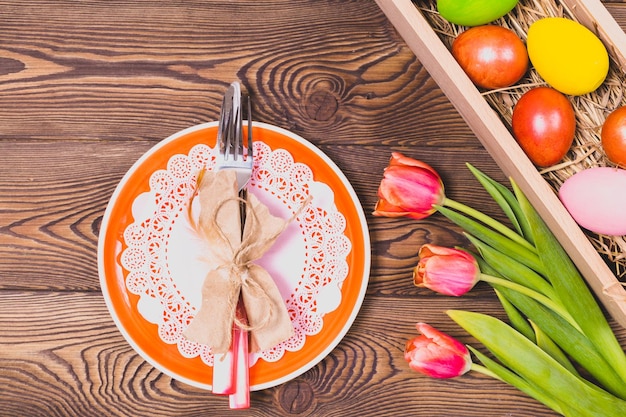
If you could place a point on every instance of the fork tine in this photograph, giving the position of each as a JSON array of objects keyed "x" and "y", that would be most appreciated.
[
  {"x": 221, "y": 135},
  {"x": 237, "y": 135},
  {"x": 228, "y": 141}
]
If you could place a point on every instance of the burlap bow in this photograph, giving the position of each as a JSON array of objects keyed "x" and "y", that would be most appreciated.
[{"x": 232, "y": 269}]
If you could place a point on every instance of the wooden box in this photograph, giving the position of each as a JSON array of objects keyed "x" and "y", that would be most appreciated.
[{"x": 494, "y": 134}]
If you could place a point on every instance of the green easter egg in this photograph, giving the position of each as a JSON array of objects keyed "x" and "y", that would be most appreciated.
[{"x": 474, "y": 12}]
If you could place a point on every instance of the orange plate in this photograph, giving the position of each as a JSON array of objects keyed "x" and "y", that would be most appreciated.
[{"x": 143, "y": 335}]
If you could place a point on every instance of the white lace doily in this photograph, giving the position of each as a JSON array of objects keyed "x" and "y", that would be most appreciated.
[{"x": 163, "y": 257}]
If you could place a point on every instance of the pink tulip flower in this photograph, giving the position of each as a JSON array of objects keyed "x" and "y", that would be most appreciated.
[
  {"x": 437, "y": 354},
  {"x": 409, "y": 188},
  {"x": 447, "y": 271}
]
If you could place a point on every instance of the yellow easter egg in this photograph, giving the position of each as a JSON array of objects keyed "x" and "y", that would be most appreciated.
[{"x": 567, "y": 55}]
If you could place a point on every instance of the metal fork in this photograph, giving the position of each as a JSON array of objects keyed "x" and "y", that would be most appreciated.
[
  {"x": 231, "y": 373},
  {"x": 232, "y": 152}
]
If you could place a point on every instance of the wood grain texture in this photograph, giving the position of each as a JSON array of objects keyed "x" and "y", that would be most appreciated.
[{"x": 86, "y": 87}]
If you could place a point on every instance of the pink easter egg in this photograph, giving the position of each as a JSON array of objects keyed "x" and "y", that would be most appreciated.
[{"x": 596, "y": 199}]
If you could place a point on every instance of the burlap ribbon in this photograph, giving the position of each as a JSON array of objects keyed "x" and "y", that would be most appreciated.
[{"x": 233, "y": 270}]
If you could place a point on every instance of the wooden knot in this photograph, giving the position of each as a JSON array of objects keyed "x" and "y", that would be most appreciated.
[
  {"x": 296, "y": 397},
  {"x": 321, "y": 105},
  {"x": 11, "y": 66}
]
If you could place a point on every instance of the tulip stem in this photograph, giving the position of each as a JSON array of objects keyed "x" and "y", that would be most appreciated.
[
  {"x": 496, "y": 225},
  {"x": 534, "y": 295},
  {"x": 485, "y": 371}
]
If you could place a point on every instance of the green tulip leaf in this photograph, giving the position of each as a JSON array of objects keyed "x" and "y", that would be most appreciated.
[
  {"x": 506, "y": 200},
  {"x": 507, "y": 246},
  {"x": 570, "y": 340},
  {"x": 517, "y": 320},
  {"x": 513, "y": 270},
  {"x": 547, "y": 345},
  {"x": 573, "y": 290},
  {"x": 511, "y": 378},
  {"x": 534, "y": 365}
]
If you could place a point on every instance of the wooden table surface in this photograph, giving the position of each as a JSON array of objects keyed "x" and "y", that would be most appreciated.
[{"x": 86, "y": 87}]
